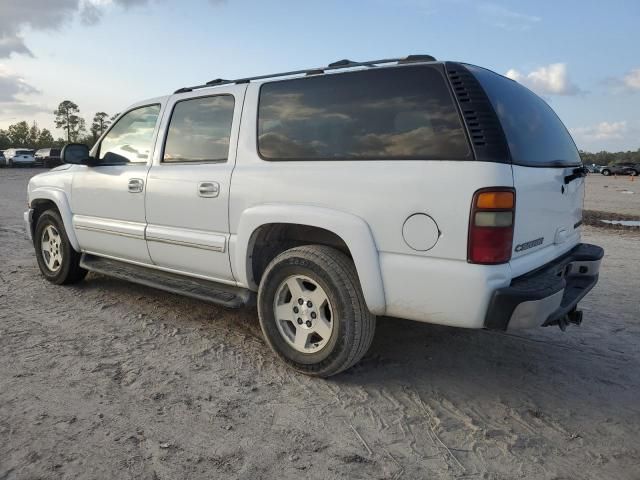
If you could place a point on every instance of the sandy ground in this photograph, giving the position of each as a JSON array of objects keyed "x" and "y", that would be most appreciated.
[
  {"x": 613, "y": 194},
  {"x": 112, "y": 380}
]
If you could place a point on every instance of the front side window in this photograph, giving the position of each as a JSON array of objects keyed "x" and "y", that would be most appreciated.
[
  {"x": 200, "y": 129},
  {"x": 130, "y": 139},
  {"x": 393, "y": 113}
]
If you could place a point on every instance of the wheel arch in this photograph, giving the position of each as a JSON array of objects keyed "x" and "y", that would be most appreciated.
[
  {"x": 343, "y": 231},
  {"x": 43, "y": 199}
]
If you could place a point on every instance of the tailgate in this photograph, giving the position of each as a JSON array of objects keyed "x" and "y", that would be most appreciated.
[{"x": 548, "y": 215}]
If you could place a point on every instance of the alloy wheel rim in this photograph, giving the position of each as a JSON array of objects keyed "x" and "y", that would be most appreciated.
[
  {"x": 303, "y": 313},
  {"x": 51, "y": 247}
]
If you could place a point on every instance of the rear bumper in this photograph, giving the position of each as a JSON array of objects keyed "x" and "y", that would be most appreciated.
[{"x": 548, "y": 295}]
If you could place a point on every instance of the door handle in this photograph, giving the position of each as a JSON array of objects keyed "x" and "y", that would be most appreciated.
[
  {"x": 135, "y": 185},
  {"x": 208, "y": 189}
]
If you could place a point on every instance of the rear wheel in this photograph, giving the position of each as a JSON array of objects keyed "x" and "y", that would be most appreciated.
[
  {"x": 633, "y": 173},
  {"x": 606, "y": 173},
  {"x": 58, "y": 261},
  {"x": 312, "y": 310}
]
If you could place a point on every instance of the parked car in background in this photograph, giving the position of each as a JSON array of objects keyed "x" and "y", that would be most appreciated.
[
  {"x": 593, "y": 168},
  {"x": 626, "y": 168},
  {"x": 20, "y": 157},
  {"x": 48, "y": 157},
  {"x": 3, "y": 159}
]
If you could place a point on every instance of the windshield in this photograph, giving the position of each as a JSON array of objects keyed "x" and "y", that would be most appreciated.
[{"x": 535, "y": 134}]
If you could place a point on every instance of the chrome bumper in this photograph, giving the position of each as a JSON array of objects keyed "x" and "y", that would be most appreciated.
[{"x": 549, "y": 295}]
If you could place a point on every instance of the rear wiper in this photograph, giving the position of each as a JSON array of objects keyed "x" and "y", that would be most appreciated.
[{"x": 577, "y": 173}]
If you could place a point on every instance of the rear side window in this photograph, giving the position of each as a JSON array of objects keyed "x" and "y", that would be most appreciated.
[
  {"x": 400, "y": 113},
  {"x": 535, "y": 134},
  {"x": 200, "y": 129}
]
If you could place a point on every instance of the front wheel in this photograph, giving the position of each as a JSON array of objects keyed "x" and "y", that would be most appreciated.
[
  {"x": 633, "y": 173},
  {"x": 606, "y": 173},
  {"x": 312, "y": 310},
  {"x": 58, "y": 261}
]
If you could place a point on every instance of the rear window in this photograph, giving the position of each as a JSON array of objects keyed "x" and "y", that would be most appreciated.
[
  {"x": 535, "y": 134},
  {"x": 55, "y": 152},
  {"x": 23, "y": 152},
  {"x": 400, "y": 113}
]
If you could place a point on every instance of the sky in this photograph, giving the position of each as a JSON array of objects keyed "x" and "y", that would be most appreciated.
[{"x": 580, "y": 56}]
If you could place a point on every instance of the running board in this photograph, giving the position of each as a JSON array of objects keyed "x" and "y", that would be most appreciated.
[{"x": 206, "y": 290}]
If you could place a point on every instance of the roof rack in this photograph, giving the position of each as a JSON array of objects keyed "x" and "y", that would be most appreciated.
[{"x": 345, "y": 63}]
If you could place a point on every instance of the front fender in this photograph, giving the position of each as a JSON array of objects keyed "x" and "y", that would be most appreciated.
[
  {"x": 353, "y": 230},
  {"x": 59, "y": 197}
]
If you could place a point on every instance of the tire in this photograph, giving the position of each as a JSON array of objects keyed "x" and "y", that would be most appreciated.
[
  {"x": 633, "y": 173},
  {"x": 343, "y": 328},
  {"x": 606, "y": 173},
  {"x": 65, "y": 269}
]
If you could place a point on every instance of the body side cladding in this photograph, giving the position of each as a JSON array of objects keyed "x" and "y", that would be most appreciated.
[{"x": 353, "y": 230}]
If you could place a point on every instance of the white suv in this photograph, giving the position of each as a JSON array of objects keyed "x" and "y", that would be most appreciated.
[
  {"x": 435, "y": 191},
  {"x": 19, "y": 157}
]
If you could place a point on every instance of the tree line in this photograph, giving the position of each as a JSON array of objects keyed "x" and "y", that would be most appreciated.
[
  {"x": 67, "y": 118},
  {"x": 609, "y": 158}
]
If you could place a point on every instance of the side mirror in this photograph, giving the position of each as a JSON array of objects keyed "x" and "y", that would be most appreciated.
[{"x": 75, "y": 153}]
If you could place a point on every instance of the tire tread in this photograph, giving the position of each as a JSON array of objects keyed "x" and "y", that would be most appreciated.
[{"x": 343, "y": 273}]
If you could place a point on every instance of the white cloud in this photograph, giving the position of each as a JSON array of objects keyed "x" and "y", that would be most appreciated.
[
  {"x": 551, "y": 79},
  {"x": 502, "y": 17},
  {"x": 632, "y": 80},
  {"x": 12, "y": 86},
  {"x": 37, "y": 14},
  {"x": 16, "y": 15},
  {"x": 601, "y": 131},
  {"x": 15, "y": 96}
]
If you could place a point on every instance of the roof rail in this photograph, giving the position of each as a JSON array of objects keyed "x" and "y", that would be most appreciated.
[{"x": 344, "y": 63}]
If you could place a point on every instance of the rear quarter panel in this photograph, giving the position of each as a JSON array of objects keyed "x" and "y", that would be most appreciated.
[{"x": 383, "y": 193}]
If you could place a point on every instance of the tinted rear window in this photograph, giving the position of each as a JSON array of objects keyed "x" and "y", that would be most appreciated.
[
  {"x": 535, "y": 134},
  {"x": 396, "y": 113},
  {"x": 24, "y": 152},
  {"x": 55, "y": 152}
]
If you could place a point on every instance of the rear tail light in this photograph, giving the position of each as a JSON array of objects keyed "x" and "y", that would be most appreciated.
[{"x": 491, "y": 226}]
